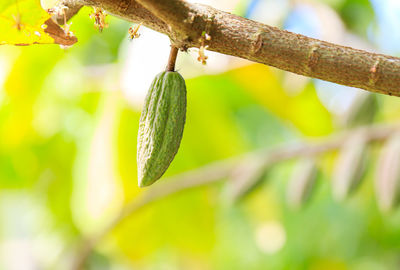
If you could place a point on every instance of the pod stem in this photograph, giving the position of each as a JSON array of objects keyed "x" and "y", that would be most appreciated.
[{"x": 172, "y": 58}]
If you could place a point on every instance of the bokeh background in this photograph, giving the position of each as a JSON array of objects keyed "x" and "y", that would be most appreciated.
[{"x": 68, "y": 126}]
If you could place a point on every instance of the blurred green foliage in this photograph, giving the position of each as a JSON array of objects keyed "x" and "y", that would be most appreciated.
[
  {"x": 68, "y": 143},
  {"x": 357, "y": 15}
]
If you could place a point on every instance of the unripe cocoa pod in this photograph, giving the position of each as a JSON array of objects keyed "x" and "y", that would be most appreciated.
[
  {"x": 161, "y": 126},
  {"x": 302, "y": 183},
  {"x": 387, "y": 185},
  {"x": 350, "y": 165}
]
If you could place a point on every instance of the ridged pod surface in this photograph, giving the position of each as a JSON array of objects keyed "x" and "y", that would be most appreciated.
[{"x": 161, "y": 126}]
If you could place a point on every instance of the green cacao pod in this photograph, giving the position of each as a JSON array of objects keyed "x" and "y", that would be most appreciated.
[
  {"x": 351, "y": 165},
  {"x": 302, "y": 183},
  {"x": 161, "y": 126},
  {"x": 387, "y": 182}
]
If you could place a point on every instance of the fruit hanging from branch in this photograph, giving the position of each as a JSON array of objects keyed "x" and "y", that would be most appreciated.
[{"x": 161, "y": 123}]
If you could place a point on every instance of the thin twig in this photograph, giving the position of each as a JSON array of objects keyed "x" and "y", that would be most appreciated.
[
  {"x": 219, "y": 170},
  {"x": 172, "y": 58}
]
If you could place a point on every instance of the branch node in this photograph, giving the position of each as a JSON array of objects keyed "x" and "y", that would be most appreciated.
[
  {"x": 313, "y": 57},
  {"x": 124, "y": 5},
  {"x": 258, "y": 42},
  {"x": 190, "y": 18},
  {"x": 374, "y": 72}
]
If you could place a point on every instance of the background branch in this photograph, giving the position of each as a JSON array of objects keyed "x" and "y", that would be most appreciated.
[{"x": 222, "y": 169}]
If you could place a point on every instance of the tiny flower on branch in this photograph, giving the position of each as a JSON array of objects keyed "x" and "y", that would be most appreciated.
[
  {"x": 202, "y": 57},
  {"x": 99, "y": 16},
  {"x": 133, "y": 31}
]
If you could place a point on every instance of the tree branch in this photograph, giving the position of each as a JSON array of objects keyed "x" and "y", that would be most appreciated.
[
  {"x": 186, "y": 24},
  {"x": 177, "y": 14},
  {"x": 222, "y": 169},
  {"x": 131, "y": 10}
]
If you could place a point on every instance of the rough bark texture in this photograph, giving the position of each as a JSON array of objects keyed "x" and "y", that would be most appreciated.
[{"x": 186, "y": 25}]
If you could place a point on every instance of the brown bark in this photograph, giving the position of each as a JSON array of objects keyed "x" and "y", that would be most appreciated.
[{"x": 186, "y": 24}]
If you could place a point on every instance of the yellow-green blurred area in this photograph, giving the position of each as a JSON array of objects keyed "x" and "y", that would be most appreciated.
[{"x": 68, "y": 126}]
